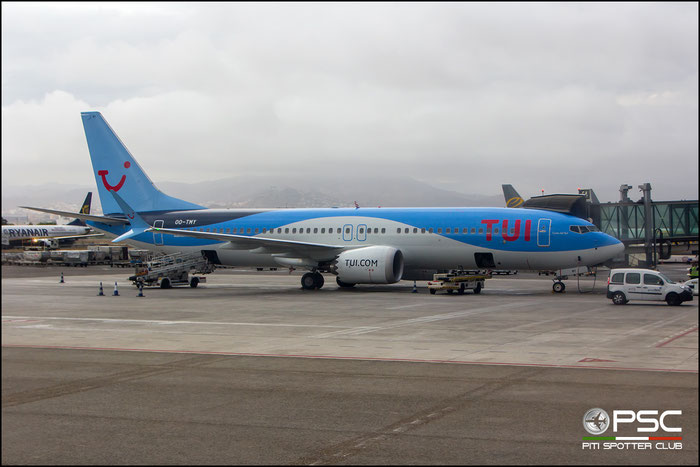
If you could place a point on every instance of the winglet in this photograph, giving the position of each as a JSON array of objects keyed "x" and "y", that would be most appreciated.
[{"x": 138, "y": 225}]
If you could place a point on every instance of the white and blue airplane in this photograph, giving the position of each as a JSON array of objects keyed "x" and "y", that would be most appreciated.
[{"x": 357, "y": 245}]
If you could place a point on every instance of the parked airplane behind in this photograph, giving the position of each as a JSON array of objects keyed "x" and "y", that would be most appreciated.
[
  {"x": 358, "y": 245},
  {"x": 49, "y": 235},
  {"x": 513, "y": 198}
]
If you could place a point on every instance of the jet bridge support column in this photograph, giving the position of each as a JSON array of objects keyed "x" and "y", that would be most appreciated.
[{"x": 649, "y": 226}]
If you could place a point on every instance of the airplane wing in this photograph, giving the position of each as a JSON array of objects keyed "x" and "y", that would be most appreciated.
[
  {"x": 85, "y": 217},
  {"x": 272, "y": 246},
  {"x": 65, "y": 237}
]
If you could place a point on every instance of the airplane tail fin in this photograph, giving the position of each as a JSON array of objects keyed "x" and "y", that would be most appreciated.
[
  {"x": 513, "y": 199},
  {"x": 117, "y": 170},
  {"x": 84, "y": 209}
]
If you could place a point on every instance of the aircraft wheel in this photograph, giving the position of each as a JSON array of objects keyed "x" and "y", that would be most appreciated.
[
  {"x": 558, "y": 287},
  {"x": 308, "y": 281},
  {"x": 318, "y": 280},
  {"x": 343, "y": 284}
]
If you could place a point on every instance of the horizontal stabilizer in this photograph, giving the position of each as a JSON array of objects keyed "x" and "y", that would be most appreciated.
[
  {"x": 85, "y": 217},
  {"x": 66, "y": 237},
  {"x": 135, "y": 220},
  {"x": 138, "y": 225}
]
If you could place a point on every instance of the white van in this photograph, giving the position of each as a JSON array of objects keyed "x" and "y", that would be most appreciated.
[{"x": 645, "y": 284}]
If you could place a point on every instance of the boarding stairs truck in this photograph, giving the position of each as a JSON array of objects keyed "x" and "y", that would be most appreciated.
[
  {"x": 459, "y": 281},
  {"x": 168, "y": 270}
]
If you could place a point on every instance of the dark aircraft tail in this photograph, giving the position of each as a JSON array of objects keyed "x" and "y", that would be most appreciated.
[
  {"x": 84, "y": 209},
  {"x": 513, "y": 199}
]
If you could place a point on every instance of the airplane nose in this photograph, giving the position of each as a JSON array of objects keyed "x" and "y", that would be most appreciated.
[
  {"x": 613, "y": 247},
  {"x": 619, "y": 248}
]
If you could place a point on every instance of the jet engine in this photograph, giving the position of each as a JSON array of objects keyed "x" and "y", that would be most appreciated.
[{"x": 369, "y": 265}]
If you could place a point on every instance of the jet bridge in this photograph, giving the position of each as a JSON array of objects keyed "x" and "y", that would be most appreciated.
[{"x": 656, "y": 228}]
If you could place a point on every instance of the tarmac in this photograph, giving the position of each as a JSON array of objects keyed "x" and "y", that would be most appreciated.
[{"x": 251, "y": 369}]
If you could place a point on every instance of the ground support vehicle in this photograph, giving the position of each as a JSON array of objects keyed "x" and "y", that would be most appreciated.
[
  {"x": 645, "y": 284},
  {"x": 458, "y": 281},
  {"x": 176, "y": 269}
]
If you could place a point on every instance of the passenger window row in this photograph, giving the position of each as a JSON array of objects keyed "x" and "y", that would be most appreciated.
[
  {"x": 448, "y": 230},
  {"x": 287, "y": 230},
  {"x": 339, "y": 230}
]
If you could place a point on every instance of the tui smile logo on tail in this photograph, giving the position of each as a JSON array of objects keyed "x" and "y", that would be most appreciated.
[{"x": 118, "y": 186}]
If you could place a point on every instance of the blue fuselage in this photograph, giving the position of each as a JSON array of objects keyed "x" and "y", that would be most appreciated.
[{"x": 429, "y": 238}]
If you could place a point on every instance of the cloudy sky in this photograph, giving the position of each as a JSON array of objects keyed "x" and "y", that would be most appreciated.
[{"x": 464, "y": 96}]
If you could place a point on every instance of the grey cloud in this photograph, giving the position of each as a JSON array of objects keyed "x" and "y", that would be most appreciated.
[{"x": 473, "y": 95}]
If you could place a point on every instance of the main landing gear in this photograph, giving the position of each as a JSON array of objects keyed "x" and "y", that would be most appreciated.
[{"x": 312, "y": 281}]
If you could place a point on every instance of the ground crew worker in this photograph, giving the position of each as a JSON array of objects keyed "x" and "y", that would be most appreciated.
[{"x": 693, "y": 271}]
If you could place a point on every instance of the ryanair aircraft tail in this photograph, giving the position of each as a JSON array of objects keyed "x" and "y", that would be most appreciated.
[
  {"x": 84, "y": 209},
  {"x": 116, "y": 170}
]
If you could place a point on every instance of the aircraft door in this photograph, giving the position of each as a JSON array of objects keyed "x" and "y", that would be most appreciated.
[
  {"x": 158, "y": 237},
  {"x": 347, "y": 232},
  {"x": 544, "y": 229},
  {"x": 484, "y": 260}
]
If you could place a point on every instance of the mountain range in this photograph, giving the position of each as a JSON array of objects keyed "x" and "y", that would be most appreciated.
[{"x": 261, "y": 192}]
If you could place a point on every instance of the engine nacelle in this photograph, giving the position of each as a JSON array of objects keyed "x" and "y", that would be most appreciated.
[{"x": 369, "y": 265}]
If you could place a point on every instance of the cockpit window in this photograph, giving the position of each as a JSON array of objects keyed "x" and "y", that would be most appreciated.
[{"x": 584, "y": 228}]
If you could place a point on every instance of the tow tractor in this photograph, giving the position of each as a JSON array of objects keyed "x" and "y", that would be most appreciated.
[
  {"x": 168, "y": 270},
  {"x": 459, "y": 281}
]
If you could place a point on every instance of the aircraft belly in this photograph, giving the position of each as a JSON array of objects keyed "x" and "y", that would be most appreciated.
[
  {"x": 227, "y": 257},
  {"x": 547, "y": 260},
  {"x": 245, "y": 258},
  {"x": 457, "y": 254}
]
